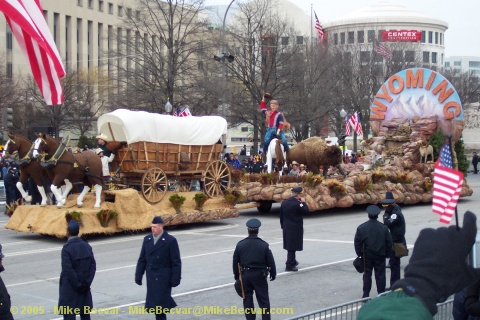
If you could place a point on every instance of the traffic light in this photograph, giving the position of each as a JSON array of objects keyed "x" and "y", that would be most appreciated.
[
  {"x": 7, "y": 118},
  {"x": 341, "y": 139}
]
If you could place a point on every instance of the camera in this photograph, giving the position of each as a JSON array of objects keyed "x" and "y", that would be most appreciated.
[{"x": 474, "y": 256}]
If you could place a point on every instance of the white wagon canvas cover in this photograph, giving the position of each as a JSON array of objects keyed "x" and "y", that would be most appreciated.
[{"x": 135, "y": 126}]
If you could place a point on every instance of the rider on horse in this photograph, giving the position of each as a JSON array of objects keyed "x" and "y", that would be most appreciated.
[{"x": 274, "y": 122}]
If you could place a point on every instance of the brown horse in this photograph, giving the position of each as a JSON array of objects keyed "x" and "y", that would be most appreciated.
[
  {"x": 63, "y": 165},
  {"x": 20, "y": 149}
]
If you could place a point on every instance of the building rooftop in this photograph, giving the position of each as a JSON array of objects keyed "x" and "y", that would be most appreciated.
[{"x": 385, "y": 12}]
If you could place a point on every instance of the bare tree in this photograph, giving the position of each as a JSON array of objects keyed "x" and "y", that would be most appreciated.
[
  {"x": 156, "y": 54},
  {"x": 85, "y": 94}
]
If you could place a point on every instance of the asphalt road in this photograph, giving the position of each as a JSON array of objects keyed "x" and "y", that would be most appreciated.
[{"x": 326, "y": 275}]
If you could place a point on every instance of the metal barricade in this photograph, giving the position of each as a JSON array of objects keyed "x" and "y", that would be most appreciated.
[{"x": 349, "y": 311}]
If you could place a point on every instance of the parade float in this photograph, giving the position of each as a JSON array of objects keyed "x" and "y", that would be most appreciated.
[{"x": 409, "y": 108}]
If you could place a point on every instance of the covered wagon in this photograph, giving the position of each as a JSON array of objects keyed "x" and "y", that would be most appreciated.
[{"x": 163, "y": 149}]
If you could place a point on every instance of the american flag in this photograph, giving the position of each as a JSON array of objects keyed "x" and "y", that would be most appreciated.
[
  {"x": 382, "y": 50},
  {"x": 356, "y": 125},
  {"x": 28, "y": 25},
  {"x": 182, "y": 113},
  {"x": 447, "y": 184},
  {"x": 319, "y": 28},
  {"x": 347, "y": 126}
]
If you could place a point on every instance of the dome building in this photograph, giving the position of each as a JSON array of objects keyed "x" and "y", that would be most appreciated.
[{"x": 410, "y": 36}]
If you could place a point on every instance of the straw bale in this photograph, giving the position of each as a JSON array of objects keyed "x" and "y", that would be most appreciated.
[{"x": 134, "y": 213}]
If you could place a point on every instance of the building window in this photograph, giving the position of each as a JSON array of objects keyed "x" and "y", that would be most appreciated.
[
  {"x": 90, "y": 4},
  {"x": 351, "y": 37},
  {"x": 9, "y": 70},
  {"x": 447, "y": 64},
  {"x": 80, "y": 3},
  {"x": 430, "y": 36},
  {"x": 120, "y": 11},
  {"x": 377, "y": 58},
  {"x": 335, "y": 39},
  {"x": 436, "y": 37},
  {"x": 137, "y": 15},
  {"x": 360, "y": 36},
  {"x": 457, "y": 63},
  {"x": 299, "y": 39},
  {"x": 129, "y": 13},
  {"x": 434, "y": 57},
  {"x": 347, "y": 56},
  {"x": 409, "y": 56},
  {"x": 474, "y": 64},
  {"x": 100, "y": 5},
  {"x": 371, "y": 35},
  {"x": 364, "y": 56},
  {"x": 284, "y": 41},
  {"x": 200, "y": 65},
  {"x": 397, "y": 55},
  {"x": 426, "y": 56},
  {"x": 441, "y": 39},
  {"x": 342, "y": 37},
  {"x": 9, "y": 38},
  {"x": 379, "y": 38},
  {"x": 423, "y": 37},
  {"x": 244, "y": 129},
  {"x": 110, "y": 8}
]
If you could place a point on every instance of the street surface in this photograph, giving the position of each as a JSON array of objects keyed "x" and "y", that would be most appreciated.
[{"x": 326, "y": 275}]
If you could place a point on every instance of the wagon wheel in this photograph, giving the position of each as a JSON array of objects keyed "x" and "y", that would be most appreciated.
[
  {"x": 154, "y": 185},
  {"x": 217, "y": 178}
]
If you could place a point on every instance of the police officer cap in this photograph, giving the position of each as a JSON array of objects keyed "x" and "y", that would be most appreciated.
[
  {"x": 297, "y": 189},
  {"x": 388, "y": 198},
  {"x": 73, "y": 226},
  {"x": 373, "y": 210},
  {"x": 157, "y": 220},
  {"x": 253, "y": 224}
]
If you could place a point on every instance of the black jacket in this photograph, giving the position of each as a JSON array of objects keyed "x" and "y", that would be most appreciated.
[
  {"x": 291, "y": 221},
  {"x": 395, "y": 221},
  {"x": 253, "y": 252},
  {"x": 375, "y": 236}
]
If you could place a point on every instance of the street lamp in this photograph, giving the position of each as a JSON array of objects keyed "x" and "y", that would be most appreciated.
[
  {"x": 342, "y": 137},
  {"x": 168, "y": 107}
]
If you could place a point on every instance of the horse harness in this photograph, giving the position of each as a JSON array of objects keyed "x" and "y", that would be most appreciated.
[
  {"x": 56, "y": 158},
  {"x": 16, "y": 156}
]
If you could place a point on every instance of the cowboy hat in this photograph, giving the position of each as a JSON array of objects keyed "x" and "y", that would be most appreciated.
[
  {"x": 98, "y": 150},
  {"x": 102, "y": 136},
  {"x": 294, "y": 162},
  {"x": 267, "y": 96}
]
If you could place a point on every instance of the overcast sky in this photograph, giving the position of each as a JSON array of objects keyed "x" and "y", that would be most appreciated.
[{"x": 462, "y": 37}]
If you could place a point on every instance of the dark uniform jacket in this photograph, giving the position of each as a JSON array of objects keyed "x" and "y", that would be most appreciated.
[
  {"x": 375, "y": 236},
  {"x": 5, "y": 302},
  {"x": 291, "y": 221},
  {"x": 395, "y": 221},
  {"x": 163, "y": 266},
  {"x": 252, "y": 252},
  {"x": 257, "y": 167},
  {"x": 78, "y": 267}
]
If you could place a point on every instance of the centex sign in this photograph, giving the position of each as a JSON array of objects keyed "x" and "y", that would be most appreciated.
[
  {"x": 422, "y": 84},
  {"x": 401, "y": 35}
]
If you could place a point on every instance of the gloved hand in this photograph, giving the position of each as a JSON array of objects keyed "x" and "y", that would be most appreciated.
[
  {"x": 438, "y": 266},
  {"x": 82, "y": 288},
  {"x": 138, "y": 281},
  {"x": 174, "y": 284},
  {"x": 273, "y": 277}
]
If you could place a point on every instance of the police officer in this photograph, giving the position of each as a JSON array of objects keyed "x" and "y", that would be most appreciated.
[
  {"x": 292, "y": 211},
  {"x": 373, "y": 242},
  {"x": 395, "y": 221},
  {"x": 256, "y": 261},
  {"x": 257, "y": 166}
]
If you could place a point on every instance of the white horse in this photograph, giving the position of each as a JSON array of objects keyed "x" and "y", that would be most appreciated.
[{"x": 275, "y": 150}]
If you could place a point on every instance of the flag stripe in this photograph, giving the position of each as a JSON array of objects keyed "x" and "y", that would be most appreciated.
[
  {"x": 447, "y": 185},
  {"x": 318, "y": 27},
  {"x": 382, "y": 50},
  {"x": 28, "y": 25}
]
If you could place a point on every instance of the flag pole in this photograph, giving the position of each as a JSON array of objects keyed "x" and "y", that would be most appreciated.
[{"x": 449, "y": 137}]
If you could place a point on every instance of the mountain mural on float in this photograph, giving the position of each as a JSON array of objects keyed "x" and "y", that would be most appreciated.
[{"x": 413, "y": 107}]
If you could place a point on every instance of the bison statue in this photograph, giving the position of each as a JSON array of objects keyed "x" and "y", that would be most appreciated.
[{"x": 314, "y": 152}]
